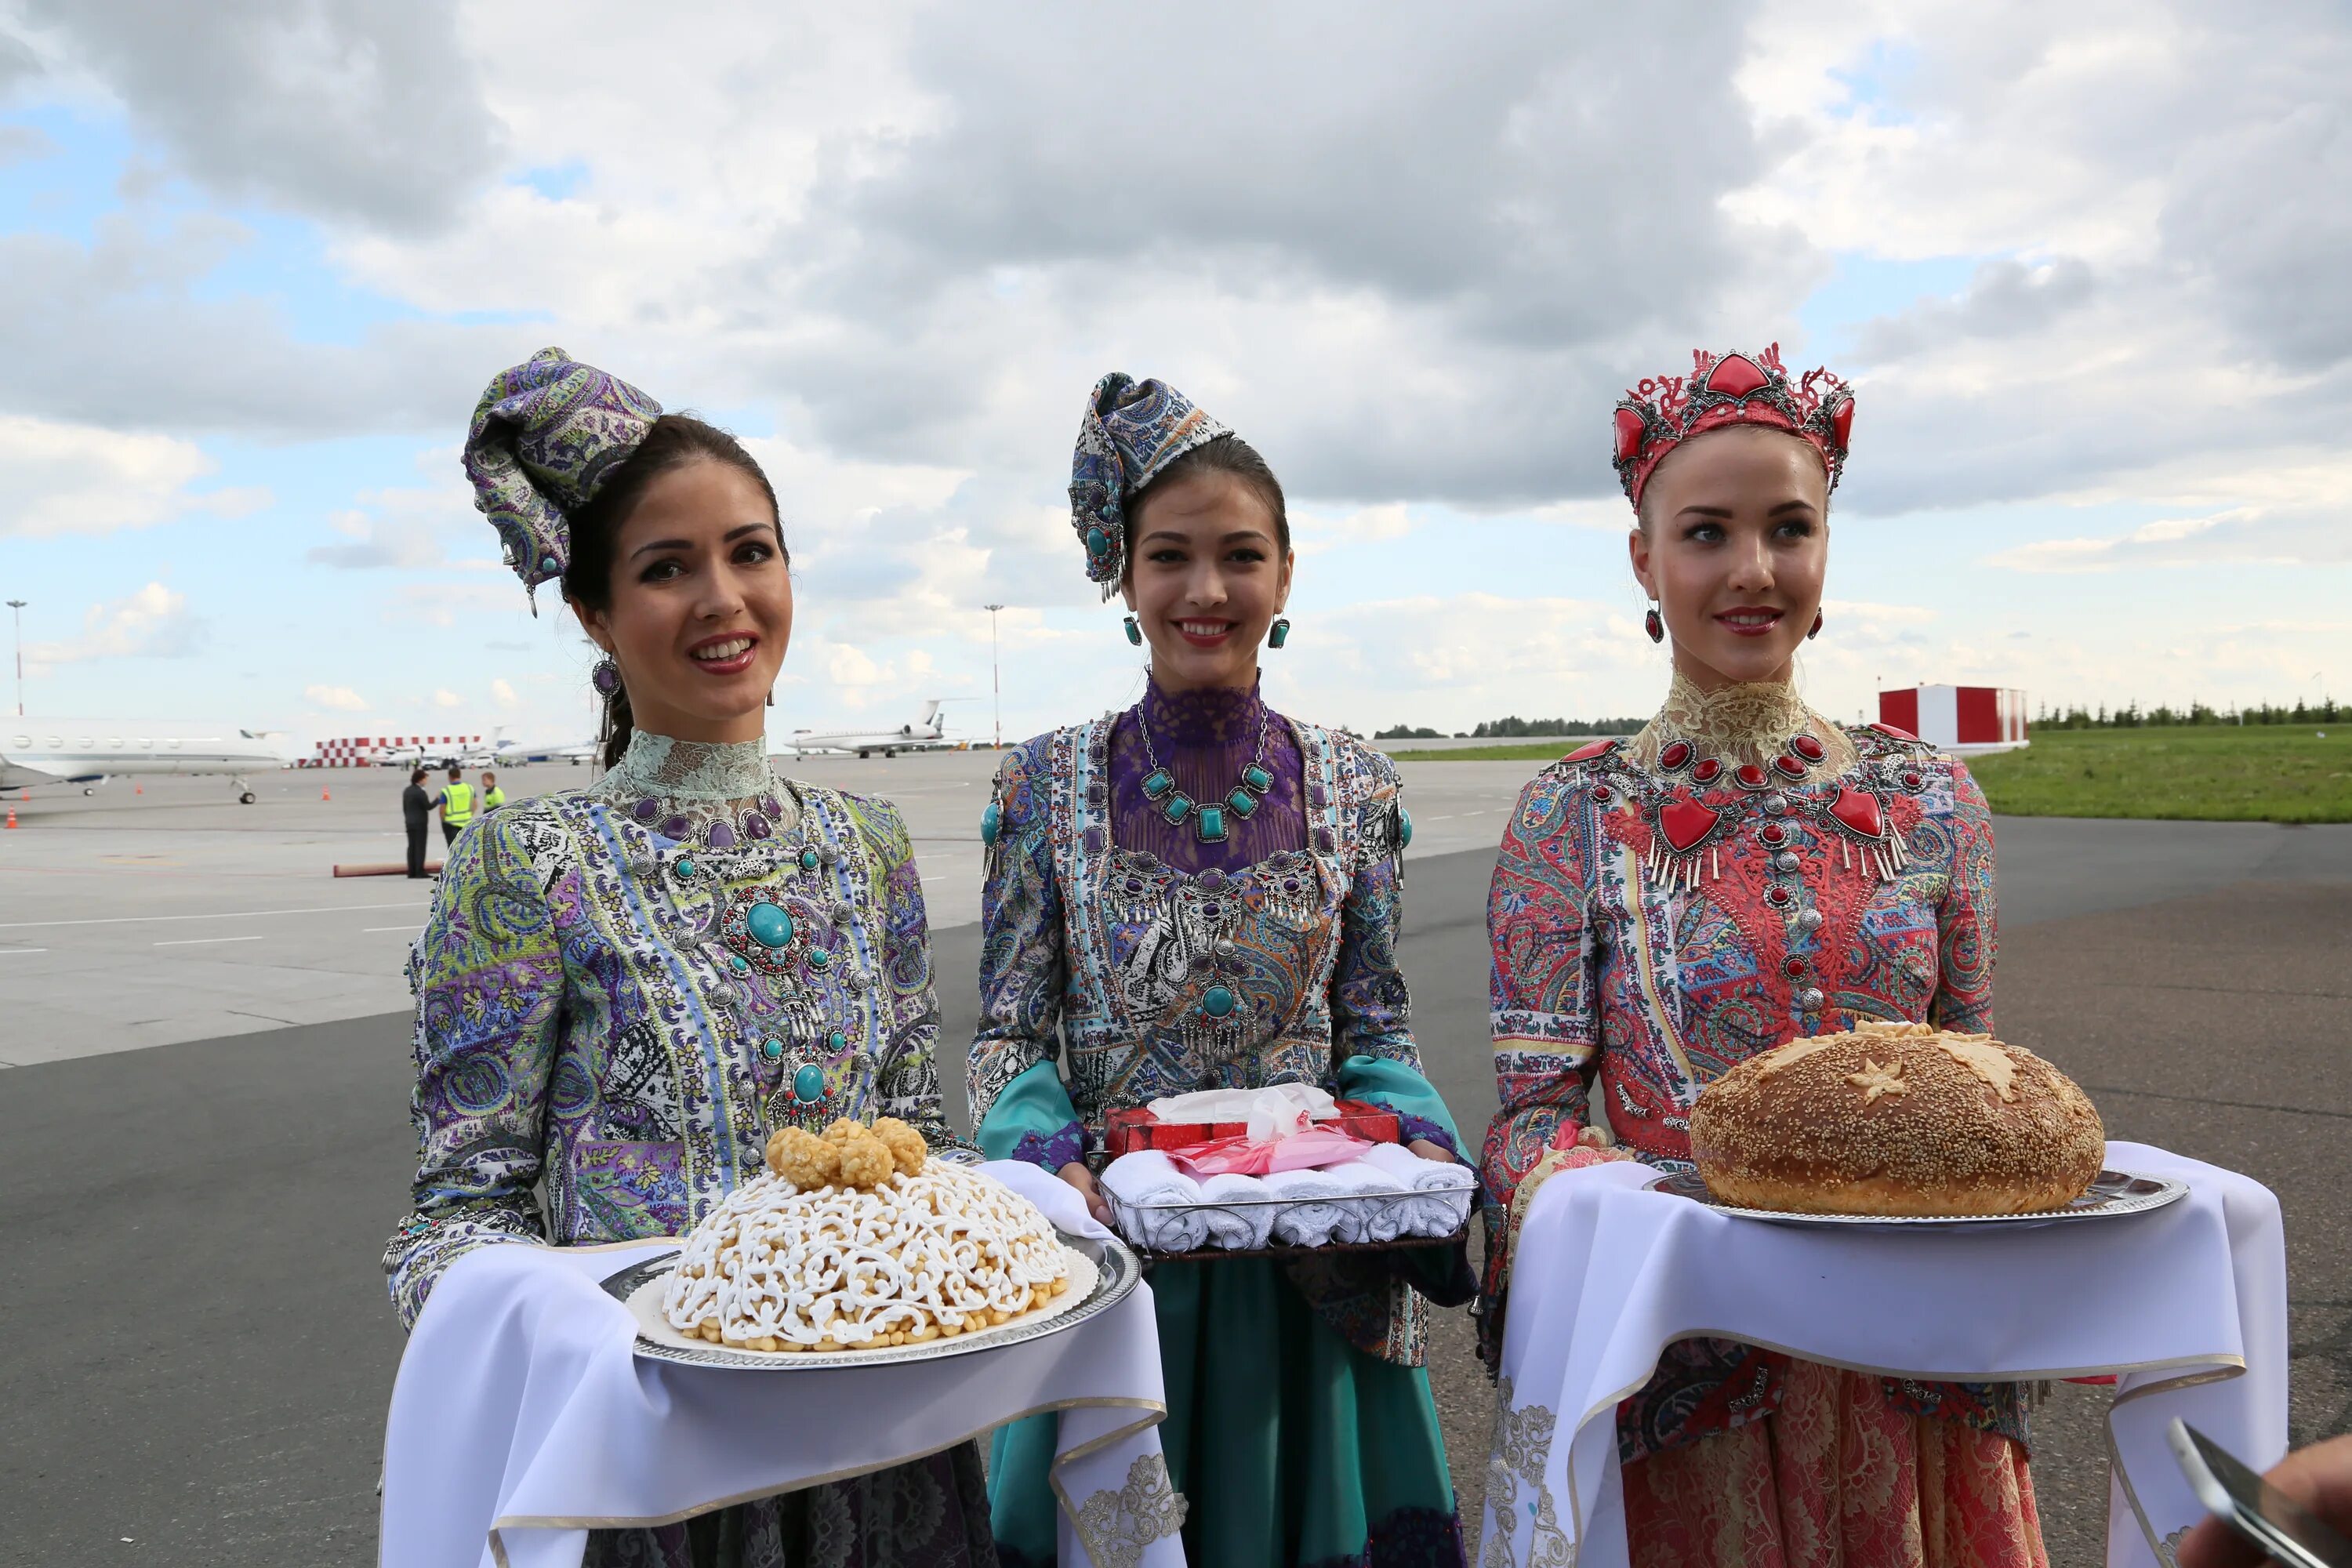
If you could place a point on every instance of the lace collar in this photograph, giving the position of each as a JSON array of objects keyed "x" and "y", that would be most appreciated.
[
  {"x": 656, "y": 766},
  {"x": 1747, "y": 722},
  {"x": 1208, "y": 716}
]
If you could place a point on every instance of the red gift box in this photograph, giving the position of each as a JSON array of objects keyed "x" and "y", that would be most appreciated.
[{"x": 1124, "y": 1132}]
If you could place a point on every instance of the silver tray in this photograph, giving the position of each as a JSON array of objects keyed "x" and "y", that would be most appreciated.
[
  {"x": 1116, "y": 1268},
  {"x": 1363, "y": 1206},
  {"x": 2111, "y": 1192}
]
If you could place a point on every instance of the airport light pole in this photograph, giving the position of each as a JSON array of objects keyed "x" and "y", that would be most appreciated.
[
  {"x": 19, "y": 606},
  {"x": 995, "y": 674}
]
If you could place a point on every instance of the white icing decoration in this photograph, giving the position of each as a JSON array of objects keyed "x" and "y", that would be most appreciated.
[{"x": 942, "y": 1251}]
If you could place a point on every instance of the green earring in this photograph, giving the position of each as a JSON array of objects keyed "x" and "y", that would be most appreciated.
[
  {"x": 1279, "y": 633},
  {"x": 1134, "y": 632}
]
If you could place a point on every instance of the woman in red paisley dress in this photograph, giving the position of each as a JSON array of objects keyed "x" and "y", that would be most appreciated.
[{"x": 1741, "y": 873}]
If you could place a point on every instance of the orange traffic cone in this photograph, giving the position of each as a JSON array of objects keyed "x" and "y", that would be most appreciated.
[
  {"x": 12, "y": 817},
  {"x": 324, "y": 796},
  {"x": 138, "y": 789}
]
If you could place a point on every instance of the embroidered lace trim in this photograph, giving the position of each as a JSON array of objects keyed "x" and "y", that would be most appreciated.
[
  {"x": 1116, "y": 1526},
  {"x": 692, "y": 770},
  {"x": 1747, "y": 722}
]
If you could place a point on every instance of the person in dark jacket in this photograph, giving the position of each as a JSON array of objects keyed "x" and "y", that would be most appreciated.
[{"x": 416, "y": 812}]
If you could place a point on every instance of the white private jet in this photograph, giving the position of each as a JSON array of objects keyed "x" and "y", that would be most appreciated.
[
  {"x": 926, "y": 734},
  {"x": 89, "y": 752}
]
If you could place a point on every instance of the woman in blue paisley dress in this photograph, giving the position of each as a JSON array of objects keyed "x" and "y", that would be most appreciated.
[
  {"x": 1200, "y": 893},
  {"x": 622, "y": 990}
]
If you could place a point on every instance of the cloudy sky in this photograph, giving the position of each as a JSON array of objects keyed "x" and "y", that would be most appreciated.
[{"x": 2090, "y": 267}]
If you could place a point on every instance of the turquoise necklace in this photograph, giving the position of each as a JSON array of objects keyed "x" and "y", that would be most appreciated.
[{"x": 1208, "y": 821}]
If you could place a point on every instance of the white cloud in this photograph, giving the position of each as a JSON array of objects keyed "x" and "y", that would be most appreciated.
[
  {"x": 445, "y": 698},
  {"x": 341, "y": 699},
  {"x": 2244, "y": 535},
  {"x": 80, "y": 479},
  {"x": 152, "y": 623},
  {"x": 503, "y": 693}
]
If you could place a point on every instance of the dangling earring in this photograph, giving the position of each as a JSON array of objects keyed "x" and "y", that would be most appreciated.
[
  {"x": 1817, "y": 626},
  {"x": 1278, "y": 632},
  {"x": 1134, "y": 632},
  {"x": 605, "y": 678},
  {"x": 1655, "y": 627}
]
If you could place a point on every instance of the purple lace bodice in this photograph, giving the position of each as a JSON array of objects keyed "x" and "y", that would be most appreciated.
[{"x": 1205, "y": 738}]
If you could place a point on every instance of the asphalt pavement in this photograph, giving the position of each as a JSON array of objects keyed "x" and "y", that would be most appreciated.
[{"x": 200, "y": 1351}]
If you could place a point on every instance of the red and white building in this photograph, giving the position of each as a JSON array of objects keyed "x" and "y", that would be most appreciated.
[
  {"x": 1962, "y": 719},
  {"x": 363, "y": 751}
]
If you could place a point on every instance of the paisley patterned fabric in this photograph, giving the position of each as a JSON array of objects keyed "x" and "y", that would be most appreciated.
[
  {"x": 1838, "y": 1478},
  {"x": 1130, "y": 431},
  {"x": 595, "y": 1039},
  {"x": 545, "y": 433},
  {"x": 1633, "y": 970},
  {"x": 1098, "y": 960}
]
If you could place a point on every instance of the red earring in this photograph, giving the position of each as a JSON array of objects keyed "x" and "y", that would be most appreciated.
[
  {"x": 1817, "y": 626},
  {"x": 1655, "y": 627}
]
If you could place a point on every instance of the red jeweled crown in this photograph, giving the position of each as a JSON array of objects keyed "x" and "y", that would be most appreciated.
[{"x": 1737, "y": 389}]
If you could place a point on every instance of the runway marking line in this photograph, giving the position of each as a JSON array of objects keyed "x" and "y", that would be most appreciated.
[
  {"x": 223, "y": 915},
  {"x": 371, "y": 931},
  {"x": 14, "y": 951},
  {"x": 205, "y": 941}
]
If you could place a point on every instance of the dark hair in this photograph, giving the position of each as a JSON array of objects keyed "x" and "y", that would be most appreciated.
[
  {"x": 675, "y": 441},
  {"x": 417, "y": 776},
  {"x": 1226, "y": 454},
  {"x": 455, "y": 772}
]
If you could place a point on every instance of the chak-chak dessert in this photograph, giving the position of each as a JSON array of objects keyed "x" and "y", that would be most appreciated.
[
  {"x": 1897, "y": 1119},
  {"x": 856, "y": 1239}
]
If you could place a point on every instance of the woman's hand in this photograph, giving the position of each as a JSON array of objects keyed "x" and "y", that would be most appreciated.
[
  {"x": 1431, "y": 1150},
  {"x": 1078, "y": 1176},
  {"x": 2319, "y": 1477}
]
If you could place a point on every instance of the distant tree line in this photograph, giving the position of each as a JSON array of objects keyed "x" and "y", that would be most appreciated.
[
  {"x": 1515, "y": 728},
  {"x": 2131, "y": 716}
]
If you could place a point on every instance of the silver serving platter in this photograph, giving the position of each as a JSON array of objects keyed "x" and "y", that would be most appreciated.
[
  {"x": 1117, "y": 1270},
  {"x": 2112, "y": 1192}
]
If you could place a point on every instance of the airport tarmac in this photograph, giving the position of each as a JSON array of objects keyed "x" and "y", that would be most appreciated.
[
  {"x": 159, "y": 911},
  {"x": 194, "y": 1229}
]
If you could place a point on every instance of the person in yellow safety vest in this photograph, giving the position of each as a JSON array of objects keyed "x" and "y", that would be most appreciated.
[
  {"x": 493, "y": 796},
  {"x": 456, "y": 804}
]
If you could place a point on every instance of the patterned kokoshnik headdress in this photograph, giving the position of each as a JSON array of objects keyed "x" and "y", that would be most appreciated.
[
  {"x": 1664, "y": 411},
  {"x": 1131, "y": 432},
  {"x": 545, "y": 435}
]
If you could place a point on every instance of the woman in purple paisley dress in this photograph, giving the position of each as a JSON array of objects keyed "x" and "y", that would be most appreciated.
[
  {"x": 1201, "y": 893},
  {"x": 601, "y": 1051},
  {"x": 1741, "y": 873}
]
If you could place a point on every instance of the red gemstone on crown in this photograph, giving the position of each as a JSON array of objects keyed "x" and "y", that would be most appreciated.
[
  {"x": 1792, "y": 766},
  {"x": 1891, "y": 730},
  {"x": 1735, "y": 375},
  {"x": 1841, "y": 422},
  {"x": 1629, "y": 435},
  {"x": 1707, "y": 771},
  {"x": 1772, "y": 833},
  {"x": 1749, "y": 775},
  {"x": 1684, "y": 824},
  {"x": 1676, "y": 754},
  {"x": 1587, "y": 751},
  {"x": 1805, "y": 746},
  {"x": 1858, "y": 809}
]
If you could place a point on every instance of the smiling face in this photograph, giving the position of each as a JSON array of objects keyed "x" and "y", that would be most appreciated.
[
  {"x": 701, "y": 604},
  {"x": 1733, "y": 547},
  {"x": 1206, "y": 575}
]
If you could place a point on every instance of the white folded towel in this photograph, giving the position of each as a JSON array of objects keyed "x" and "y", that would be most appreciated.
[
  {"x": 1313, "y": 1206},
  {"x": 1245, "y": 1225},
  {"x": 1157, "y": 1205},
  {"x": 1442, "y": 1190},
  {"x": 1421, "y": 1175}
]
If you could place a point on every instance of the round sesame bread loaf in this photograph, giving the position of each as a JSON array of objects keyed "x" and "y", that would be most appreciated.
[{"x": 1897, "y": 1119}]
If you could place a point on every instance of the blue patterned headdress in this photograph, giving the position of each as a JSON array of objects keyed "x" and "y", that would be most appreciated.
[
  {"x": 1132, "y": 431},
  {"x": 545, "y": 434}
]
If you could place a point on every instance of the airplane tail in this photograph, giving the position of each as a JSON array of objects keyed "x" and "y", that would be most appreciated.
[{"x": 932, "y": 713}]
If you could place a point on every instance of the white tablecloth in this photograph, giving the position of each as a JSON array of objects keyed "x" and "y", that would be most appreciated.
[
  {"x": 2186, "y": 1305},
  {"x": 520, "y": 1418}
]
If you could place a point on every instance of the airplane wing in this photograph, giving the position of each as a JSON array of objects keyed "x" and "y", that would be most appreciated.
[{"x": 16, "y": 776}]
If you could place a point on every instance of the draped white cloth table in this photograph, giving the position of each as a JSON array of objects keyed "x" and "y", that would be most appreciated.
[
  {"x": 521, "y": 1417},
  {"x": 2186, "y": 1305}
]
